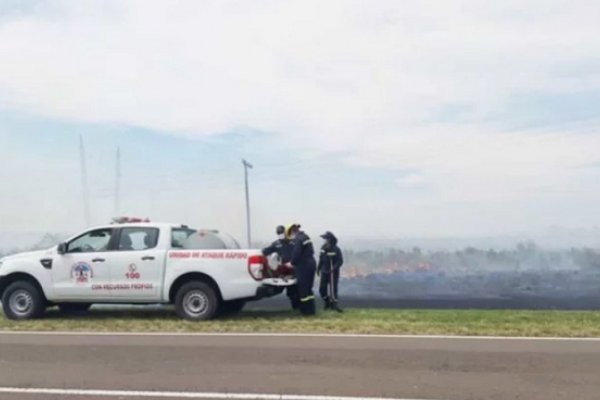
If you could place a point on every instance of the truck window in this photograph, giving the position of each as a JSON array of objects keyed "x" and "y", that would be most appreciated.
[
  {"x": 192, "y": 239},
  {"x": 179, "y": 237},
  {"x": 135, "y": 239},
  {"x": 90, "y": 242}
]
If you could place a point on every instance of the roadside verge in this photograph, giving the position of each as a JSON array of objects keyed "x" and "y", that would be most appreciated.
[{"x": 353, "y": 321}]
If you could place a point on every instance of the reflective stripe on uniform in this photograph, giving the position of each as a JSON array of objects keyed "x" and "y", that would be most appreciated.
[
  {"x": 306, "y": 242},
  {"x": 307, "y": 298},
  {"x": 331, "y": 254}
]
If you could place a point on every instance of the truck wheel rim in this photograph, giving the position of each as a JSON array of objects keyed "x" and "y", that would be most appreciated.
[
  {"x": 21, "y": 303},
  {"x": 195, "y": 303}
]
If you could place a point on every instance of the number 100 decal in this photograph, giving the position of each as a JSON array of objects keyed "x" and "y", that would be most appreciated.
[{"x": 132, "y": 272}]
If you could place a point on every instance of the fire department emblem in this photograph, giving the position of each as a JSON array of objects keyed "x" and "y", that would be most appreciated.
[{"x": 82, "y": 273}]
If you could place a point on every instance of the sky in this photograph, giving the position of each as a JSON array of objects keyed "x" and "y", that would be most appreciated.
[{"x": 369, "y": 118}]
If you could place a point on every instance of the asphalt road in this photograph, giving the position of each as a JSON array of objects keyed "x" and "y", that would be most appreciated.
[{"x": 416, "y": 368}]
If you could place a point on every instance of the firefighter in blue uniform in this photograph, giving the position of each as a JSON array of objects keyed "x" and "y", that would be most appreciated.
[
  {"x": 303, "y": 260},
  {"x": 330, "y": 262},
  {"x": 284, "y": 247}
]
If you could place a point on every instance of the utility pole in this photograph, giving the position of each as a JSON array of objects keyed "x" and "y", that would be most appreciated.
[
  {"x": 247, "y": 166},
  {"x": 84, "y": 183},
  {"x": 118, "y": 184}
]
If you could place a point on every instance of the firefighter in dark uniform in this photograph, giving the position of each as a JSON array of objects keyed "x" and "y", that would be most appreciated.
[
  {"x": 284, "y": 247},
  {"x": 330, "y": 262},
  {"x": 303, "y": 260}
]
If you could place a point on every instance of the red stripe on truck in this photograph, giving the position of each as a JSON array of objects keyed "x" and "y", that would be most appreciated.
[{"x": 215, "y": 255}]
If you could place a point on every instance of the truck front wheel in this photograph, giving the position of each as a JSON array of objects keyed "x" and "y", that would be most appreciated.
[
  {"x": 22, "y": 300},
  {"x": 196, "y": 301}
]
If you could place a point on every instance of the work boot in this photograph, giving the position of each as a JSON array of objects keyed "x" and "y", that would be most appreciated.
[
  {"x": 308, "y": 308},
  {"x": 312, "y": 308},
  {"x": 326, "y": 304},
  {"x": 336, "y": 307}
]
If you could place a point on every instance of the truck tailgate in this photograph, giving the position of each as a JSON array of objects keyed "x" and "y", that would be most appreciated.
[{"x": 283, "y": 282}]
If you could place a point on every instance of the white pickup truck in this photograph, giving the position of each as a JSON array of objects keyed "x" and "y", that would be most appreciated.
[{"x": 204, "y": 273}]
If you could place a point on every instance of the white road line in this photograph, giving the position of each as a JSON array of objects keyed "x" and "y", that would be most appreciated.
[
  {"x": 180, "y": 395},
  {"x": 283, "y": 335}
]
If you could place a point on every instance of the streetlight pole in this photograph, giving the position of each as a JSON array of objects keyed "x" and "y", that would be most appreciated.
[
  {"x": 247, "y": 166},
  {"x": 84, "y": 183}
]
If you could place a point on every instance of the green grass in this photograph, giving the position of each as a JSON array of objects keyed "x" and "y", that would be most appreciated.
[{"x": 368, "y": 321}]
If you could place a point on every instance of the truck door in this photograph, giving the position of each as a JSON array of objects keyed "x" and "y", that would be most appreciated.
[
  {"x": 136, "y": 265},
  {"x": 83, "y": 269}
]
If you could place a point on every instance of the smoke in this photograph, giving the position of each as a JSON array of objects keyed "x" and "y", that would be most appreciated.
[{"x": 524, "y": 272}]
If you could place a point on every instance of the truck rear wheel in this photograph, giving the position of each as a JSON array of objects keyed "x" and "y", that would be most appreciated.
[
  {"x": 196, "y": 301},
  {"x": 22, "y": 300},
  {"x": 74, "y": 308}
]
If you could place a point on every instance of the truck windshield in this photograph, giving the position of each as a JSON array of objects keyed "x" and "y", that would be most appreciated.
[{"x": 194, "y": 239}]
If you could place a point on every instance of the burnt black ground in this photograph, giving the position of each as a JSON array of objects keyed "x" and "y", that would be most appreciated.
[{"x": 512, "y": 303}]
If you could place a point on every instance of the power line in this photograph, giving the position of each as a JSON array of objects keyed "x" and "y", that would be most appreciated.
[{"x": 118, "y": 183}]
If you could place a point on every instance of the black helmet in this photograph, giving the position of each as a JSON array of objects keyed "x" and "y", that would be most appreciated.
[
  {"x": 331, "y": 237},
  {"x": 280, "y": 230}
]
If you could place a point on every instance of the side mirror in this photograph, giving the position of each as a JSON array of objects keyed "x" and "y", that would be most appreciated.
[{"x": 62, "y": 248}]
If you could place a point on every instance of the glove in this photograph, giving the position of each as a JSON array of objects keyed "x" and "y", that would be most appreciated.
[{"x": 318, "y": 272}]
